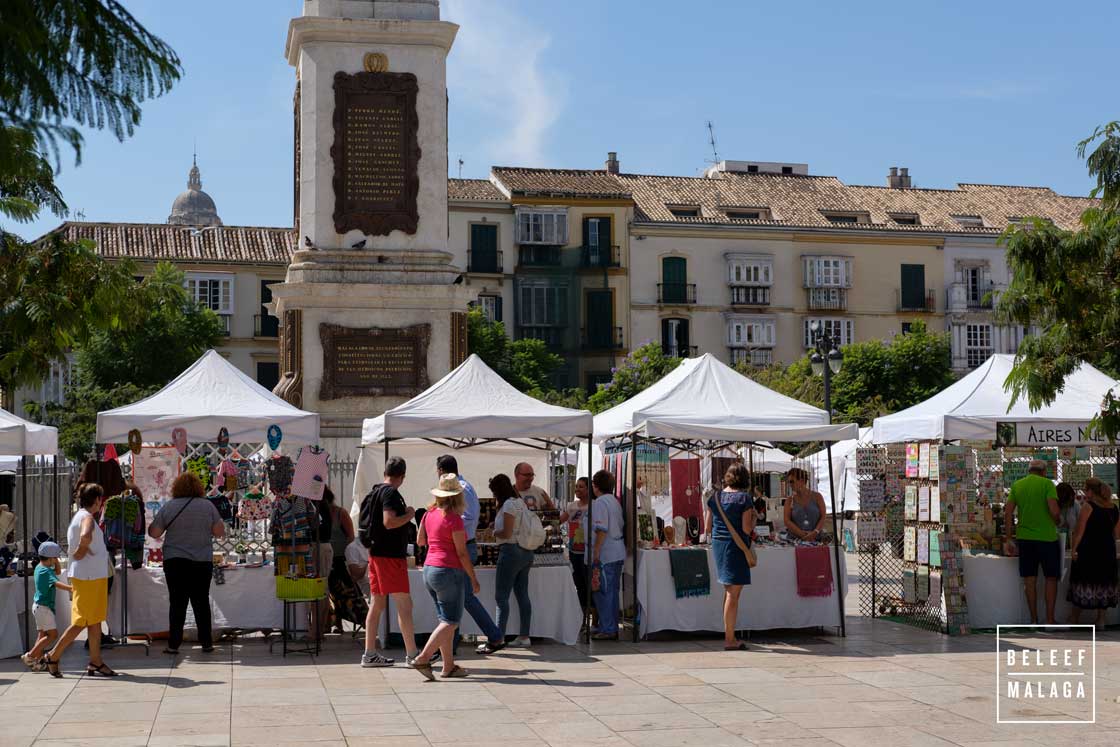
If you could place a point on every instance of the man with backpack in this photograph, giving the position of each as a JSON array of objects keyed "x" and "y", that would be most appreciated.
[{"x": 383, "y": 530}]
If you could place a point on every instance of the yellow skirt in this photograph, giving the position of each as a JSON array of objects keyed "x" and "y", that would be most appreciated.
[{"x": 89, "y": 603}]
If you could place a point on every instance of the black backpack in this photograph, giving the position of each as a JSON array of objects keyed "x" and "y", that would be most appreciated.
[{"x": 365, "y": 515}]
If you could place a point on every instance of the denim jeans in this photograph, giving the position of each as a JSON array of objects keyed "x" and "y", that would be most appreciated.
[
  {"x": 446, "y": 587},
  {"x": 606, "y": 599},
  {"x": 474, "y": 606},
  {"x": 514, "y": 563}
]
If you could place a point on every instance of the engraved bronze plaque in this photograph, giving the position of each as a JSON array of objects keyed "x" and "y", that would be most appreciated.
[
  {"x": 376, "y": 153},
  {"x": 374, "y": 361}
]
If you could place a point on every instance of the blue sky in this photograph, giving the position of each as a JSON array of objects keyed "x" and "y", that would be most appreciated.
[{"x": 996, "y": 92}]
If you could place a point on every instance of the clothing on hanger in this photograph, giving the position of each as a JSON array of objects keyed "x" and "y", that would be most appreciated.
[
  {"x": 280, "y": 471},
  {"x": 311, "y": 473},
  {"x": 123, "y": 524}
]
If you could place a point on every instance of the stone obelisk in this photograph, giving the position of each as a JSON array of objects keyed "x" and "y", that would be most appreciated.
[{"x": 371, "y": 311}]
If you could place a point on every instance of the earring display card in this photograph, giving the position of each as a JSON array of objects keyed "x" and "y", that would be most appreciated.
[
  {"x": 871, "y": 495},
  {"x": 934, "y": 464},
  {"x": 935, "y": 549},
  {"x": 911, "y": 506},
  {"x": 910, "y": 543},
  {"x": 892, "y": 485},
  {"x": 923, "y": 545},
  {"x": 923, "y": 461},
  {"x": 871, "y": 530},
  {"x": 923, "y": 503},
  {"x": 1014, "y": 471},
  {"x": 870, "y": 461},
  {"x": 935, "y": 586},
  {"x": 912, "y": 460},
  {"x": 934, "y": 503},
  {"x": 923, "y": 583},
  {"x": 909, "y": 586}
]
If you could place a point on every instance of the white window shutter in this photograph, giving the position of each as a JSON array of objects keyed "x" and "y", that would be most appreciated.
[{"x": 847, "y": 281}]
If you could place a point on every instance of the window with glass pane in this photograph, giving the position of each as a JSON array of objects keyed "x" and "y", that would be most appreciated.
[
  {"x": 842, "y": 331},
  {"x": 978, "y": 343},
  {"x": 484, "y": 248},
  {"x": 215, "y": 294},
  {"x": 491, "y": 307}
]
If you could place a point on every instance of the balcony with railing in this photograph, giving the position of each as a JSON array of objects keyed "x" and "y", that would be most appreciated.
[
  {"x": 598, "y": 257},
  {"x": 601, "y": 338},
  {"x": 489, "y": 261},
  {"x": 911, "y": 301},
  {"x": 752, "y": 356},
  {"x": 266, "y": 325},
  {"x": 968, "y": 297},
  {"x": 679, "y": 351},
  {"x": 553, "y": 337},
  {"x": 226, "y": 322},
  {"x": 827, "y": 299},
  {"x": 750, "y": 295},
  {"x": 676, "y": 293},
  {"x": 538, "y": 256}
]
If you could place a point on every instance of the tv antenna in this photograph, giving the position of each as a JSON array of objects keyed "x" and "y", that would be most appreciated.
[
  {"x": 712, "y": 142},
  {"x": 460, "y": 167}
]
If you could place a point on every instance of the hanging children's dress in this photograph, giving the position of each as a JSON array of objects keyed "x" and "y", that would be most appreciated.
[{"x": 311, "y": 474}]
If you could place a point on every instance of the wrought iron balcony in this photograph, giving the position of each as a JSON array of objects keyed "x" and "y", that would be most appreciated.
[
  {"x": 601, "y": 338},
  {"x": 266, "y": 325},
  {"x": 964, "y": 297},
  {"x": 676, "y": 293},
  {"x": 678, "y": 351},
  {"x": 485, "y": 262},
  {"x": 753, "y": 356},
  {"x": 750, "y": 295},
  {"x": 538, "y": 256},
  {"x": 553, "y": 337},
  {"x": 926, "y": 303},
  {"x": 827, "y": 299},
  {"x": 226, "y": 321},
  {"x": 591, "y": 257}
]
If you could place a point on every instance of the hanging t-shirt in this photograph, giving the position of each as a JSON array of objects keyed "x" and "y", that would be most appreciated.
[
  {"x": 311, "y": 474},
  {"x": 577, "y": 526},
  {"x": 227, "y": 475},
  {"x": 279, "y": 470}
]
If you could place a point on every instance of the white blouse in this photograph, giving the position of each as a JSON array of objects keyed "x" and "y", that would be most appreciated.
[{"x": 95, "y": 563}]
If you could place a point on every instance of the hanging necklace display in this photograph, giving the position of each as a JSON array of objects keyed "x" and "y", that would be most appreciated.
[
  {"x": 274, "y": 437},
  {"x": 680, "y": 530},
  {"x": 693, "y": 529}
]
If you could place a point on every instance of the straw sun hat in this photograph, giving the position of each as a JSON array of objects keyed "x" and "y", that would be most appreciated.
[{"x": 448, "y": 486}]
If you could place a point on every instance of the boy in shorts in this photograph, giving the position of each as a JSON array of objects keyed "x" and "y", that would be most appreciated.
[{"x": 46, "y": 581}]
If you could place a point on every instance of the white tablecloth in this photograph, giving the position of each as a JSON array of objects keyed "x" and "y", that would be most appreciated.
[
  {"x": 13, "y": 607},
  {"x": 556, "y": 611},
  {"x": 246, "y": 600},
  {"x": 995, "y": 595},
  {"x": 769, "y": 602}
]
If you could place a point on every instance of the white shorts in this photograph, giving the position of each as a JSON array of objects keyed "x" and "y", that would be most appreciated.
[{"x": 44, "y": 617}]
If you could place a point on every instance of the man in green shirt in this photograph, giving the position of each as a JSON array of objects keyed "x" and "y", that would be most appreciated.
[{"x": 1035, "y": 499}]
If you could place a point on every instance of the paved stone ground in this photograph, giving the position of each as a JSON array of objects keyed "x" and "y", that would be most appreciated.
[{"x": 885, "y": 684}]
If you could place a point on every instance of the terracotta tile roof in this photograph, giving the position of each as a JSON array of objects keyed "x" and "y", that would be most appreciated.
[
  {"x": 560, "y": 183},
  {"x": 161, "y": 241},
  {"x": 473, "y": 190}
]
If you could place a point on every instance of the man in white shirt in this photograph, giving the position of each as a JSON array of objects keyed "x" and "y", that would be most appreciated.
[
  {"x": 535, "y": 497},
  {"x": 357, "y": 562},
  {"x": 608, "y": 553}
]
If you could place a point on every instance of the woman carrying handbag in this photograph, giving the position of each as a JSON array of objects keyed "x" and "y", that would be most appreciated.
[{"x": 730, "y": 522}]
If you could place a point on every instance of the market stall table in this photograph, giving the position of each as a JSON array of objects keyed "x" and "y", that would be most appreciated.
[
  {"x": 556, "y": 611},
  {"x": 246, "y": 600},
  {"x": 770, "y": 601}
]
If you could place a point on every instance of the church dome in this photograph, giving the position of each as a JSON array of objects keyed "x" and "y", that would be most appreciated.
[{"x": 194, "y": 207}]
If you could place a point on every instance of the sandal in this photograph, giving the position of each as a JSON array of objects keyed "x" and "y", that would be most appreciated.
[
  {"x": 490, "y": 648},
  {"x": 101, "y": 670},
  {"x": 456, "y": 671},
  {"x": 207, "y": 649},
  {"x": 425, "y": 670},
  {"x": 739, "y": 646},
  {"x": 51, "y": 666}
]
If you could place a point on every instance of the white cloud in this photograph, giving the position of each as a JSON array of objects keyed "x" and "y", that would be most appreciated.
[{"x": 496, "y": 71}]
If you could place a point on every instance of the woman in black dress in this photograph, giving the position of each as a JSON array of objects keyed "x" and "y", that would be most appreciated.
[{"x": 1093, "y": 576}]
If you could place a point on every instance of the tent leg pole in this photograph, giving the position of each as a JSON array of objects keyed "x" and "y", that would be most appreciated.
[
  {"x": 587, "y": 567},
  {"x": 634, "y": 532},
  {"x": 24, "y": 507},
  {"x": 836, "y": 543}
]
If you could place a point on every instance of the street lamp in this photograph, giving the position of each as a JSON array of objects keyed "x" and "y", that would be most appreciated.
[{"x": 826, "y": 350}]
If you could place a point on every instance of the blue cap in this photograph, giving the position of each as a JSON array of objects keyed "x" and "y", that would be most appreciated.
[{"x": 49, "y": 550}]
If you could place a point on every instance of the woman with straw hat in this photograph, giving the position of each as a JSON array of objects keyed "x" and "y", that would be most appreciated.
[{"x": 446, "y": 571}]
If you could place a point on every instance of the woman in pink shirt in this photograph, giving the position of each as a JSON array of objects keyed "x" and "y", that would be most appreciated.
[{"x": 443, "y": 533}]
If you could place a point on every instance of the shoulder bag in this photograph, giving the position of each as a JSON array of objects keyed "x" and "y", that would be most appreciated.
[{"x": 736, "y": 534}]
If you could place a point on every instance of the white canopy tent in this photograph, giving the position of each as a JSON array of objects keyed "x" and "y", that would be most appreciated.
[
  {"x": 706, "y": 400},
  {"x": 211, "y": 394},
  {"x": 19, "y": 437},
  {"x": 970, "y": 408},
  {"x": 843, "y": 470},
  {"x": 473, "y": 407}
]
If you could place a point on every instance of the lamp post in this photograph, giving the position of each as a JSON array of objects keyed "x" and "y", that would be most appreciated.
[{"x": 825, "y": 361}]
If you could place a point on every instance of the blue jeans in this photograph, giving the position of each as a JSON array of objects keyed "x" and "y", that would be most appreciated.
[
  {"x": 606, "y": 599},
  {"x": 446, "y": 587},
  {"x": 514, "y": 563},
  {"x": 475, "y": 608}
]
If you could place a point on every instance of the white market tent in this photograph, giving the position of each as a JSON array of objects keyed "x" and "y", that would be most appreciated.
[
  {"x": 211, "y": 394},
  {"x": 970, "y": 408},
  {"x": 473, "y": 407},
  {"x": 19, "y": 437},
  {"x": 703, "y": 399},
  {"x": 843, "y": 469}
]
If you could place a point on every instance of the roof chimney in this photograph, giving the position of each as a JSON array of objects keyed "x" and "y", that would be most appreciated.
[
  {"x": 612, "y": 162},
  {"x": 898, "y": 178}
]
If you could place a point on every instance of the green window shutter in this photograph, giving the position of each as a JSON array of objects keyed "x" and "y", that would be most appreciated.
[
  {"x": 913, "y": 286},
  {"x": 674, "y": 275},
  {"x": 605, "y": 240},
  {"x": 484, "y": 248},
  {"x": 600, "y": 320}
]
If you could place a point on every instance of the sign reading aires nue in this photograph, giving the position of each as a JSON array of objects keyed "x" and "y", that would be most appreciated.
[{"x": 1057, "y": 433}]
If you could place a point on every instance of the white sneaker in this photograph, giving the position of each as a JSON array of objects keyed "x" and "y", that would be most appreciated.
[
  {"x": 521, "y": 642},
  {"x": 376, "y": 660}
]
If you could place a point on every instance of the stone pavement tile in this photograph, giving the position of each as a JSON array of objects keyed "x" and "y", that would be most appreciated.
[
  {"x": 544, "y": 704},
  {"x": 94, "y": 742},
  {"x": 895, "y": 736},
  {"x": 770, "y": 728},
  {"x": 721, "y": 714},
  {"x": 102, "y": 729},
  {"x": 249, "y": 716},
  {"x": 395, "y": 725},
  {"x": 189, "y": 740},
  {"x": 667, "y": 680},
  {"x": 388, "y": 742},
  {"x": 117, "y": 693},
  {"x": 695, "y": 694},
  {"x": 910, "y": 678},
  {"x": 192, "y": 725},
  {"x": 97, "y": 713},
  {"x": 15, "y": 740},
  {"x": 213, "y": 704},
  {"x": 560, "y": 733},
  {"x": 943, "y": 695},
  {"x": 367, "y": 704},
  {"x": 614, "y": 687},
  {"x": 642, "y": 722},
  {"x": 288, "y": 681},
  {"x": 703, "y": 737},
  {"x": 624, "y": 704},
  {"x": 448, "y": 696},
  {"x": 273, "y": 735},
  {"x": 796, "y": 742},
  {"x": 737, "y": 675},
  {"x": 491, "y": 724},
  {"x": 248, "y": 697},
  {"x": 23, "y": 724}
]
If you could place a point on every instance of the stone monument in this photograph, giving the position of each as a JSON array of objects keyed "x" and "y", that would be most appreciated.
[{"x": 371, "y": 311}]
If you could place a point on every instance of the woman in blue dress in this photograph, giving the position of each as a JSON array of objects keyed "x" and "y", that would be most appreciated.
[{"x": 732, "y": 568}]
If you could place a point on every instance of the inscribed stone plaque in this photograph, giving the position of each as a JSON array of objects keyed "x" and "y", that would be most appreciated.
[
  {"x": 375, "y": 153},
  {"x": 374, "y": 361}
]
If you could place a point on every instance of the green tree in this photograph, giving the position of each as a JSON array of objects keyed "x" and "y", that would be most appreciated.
[
  {"x": 645, "y": 366},
  {"x": 526, "y": 364},
  {"x": 1067, "y": 283},
  {"x": 66, "y": 64}
]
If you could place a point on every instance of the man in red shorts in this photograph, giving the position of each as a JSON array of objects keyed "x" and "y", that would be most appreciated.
[{"x": 382, "y": 528}]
